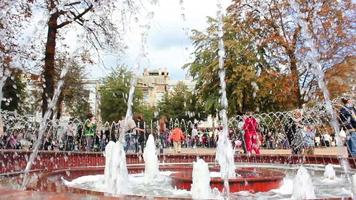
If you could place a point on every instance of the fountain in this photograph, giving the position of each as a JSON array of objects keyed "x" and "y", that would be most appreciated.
[
  {"x": 201, "y": 180},
  {"x": 302, "y": 185},
  {"x": 313, "y": 57},
  {"x": 151, "y": 160},
  {"x": 354, "y": 183},
  {"x": 65, "y": 175},
  {"x": 329, "y": 172},
  {"x": 224, "y": 152},
  {"x": 115, "y": 168},
  {"x": 260, "y": 176}
]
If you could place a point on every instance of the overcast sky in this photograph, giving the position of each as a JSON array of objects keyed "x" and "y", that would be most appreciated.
[{"x": 168, "y": 44}]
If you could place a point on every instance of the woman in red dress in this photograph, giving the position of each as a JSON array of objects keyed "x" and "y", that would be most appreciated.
[{"x": 252, "y": 139}]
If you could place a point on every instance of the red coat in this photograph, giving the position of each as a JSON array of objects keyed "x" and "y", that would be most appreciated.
[
  {"x": 177, "y": 135},
  {"x": 250, "y": 126}
]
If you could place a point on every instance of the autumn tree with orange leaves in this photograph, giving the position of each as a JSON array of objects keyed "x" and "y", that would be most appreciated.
[
  {"x": 265, "y": 70},
  {"x": 251, "y": 83},
  {"x": 272, "y": 26}
]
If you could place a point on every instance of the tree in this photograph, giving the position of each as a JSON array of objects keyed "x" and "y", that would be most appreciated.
[
  {"x": 80, "y": 108},
  {"x": 246, "y": 72},
  {"x": 340, "y": 78},
  {"x": 181, "y": 104},
  {"x": 94, "y": 19},
  {"x": 13, "y": 14},
  {"x": 114, "y": 95},
  {"x": 146, "y": 111},
  {"x": 273, "y": 27},
  {"x": 73, "y": 95},
  {"x": 14, "y": 92}
]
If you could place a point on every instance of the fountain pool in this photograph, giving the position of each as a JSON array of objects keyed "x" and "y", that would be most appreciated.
[{"x": 81, "y": 174}]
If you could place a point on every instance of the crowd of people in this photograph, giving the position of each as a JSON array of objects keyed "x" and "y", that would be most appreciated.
[{"x": 248, "y": 137}]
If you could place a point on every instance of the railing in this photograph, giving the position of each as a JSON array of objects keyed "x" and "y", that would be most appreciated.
[{"x": 274, "y": 127}]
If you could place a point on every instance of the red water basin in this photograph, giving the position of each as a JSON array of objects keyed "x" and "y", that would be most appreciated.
[{"x": 248, "y": 179}]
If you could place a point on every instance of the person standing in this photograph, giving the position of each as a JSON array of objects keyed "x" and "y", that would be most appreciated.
[
  {"x": 70, "y": 133},
  {"x": 162, "y": 133},
  {"x": 269, "y": 140},
  {"x": 127, "y": 129},
  {"x": 105, "y": 136},
  {"x": 195, "y": 135},
  {"x": 177, "y": 136},
  {"x": 308, "y": 140},
  {"x": 89, "y": 131},
  {"x": 293, "y": 130},
  {"x": 327, "y": 139},
  {"x": 2, "y": 134},
  {"x": 1, "y": 127},
  {"x": 140, "y": 134},
  {"x": 348, "y": 124},
  {"x": 251, "y": 138}
]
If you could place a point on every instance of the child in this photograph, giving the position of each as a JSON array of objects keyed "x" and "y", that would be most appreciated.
[{"x": 308, "y": 140}]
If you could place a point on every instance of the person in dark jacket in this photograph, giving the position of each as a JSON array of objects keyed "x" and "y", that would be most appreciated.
[
  {"x": 140, "y": 134},
  {"x": 293, "y": 130},
  {"x": 348, "y": 123}
]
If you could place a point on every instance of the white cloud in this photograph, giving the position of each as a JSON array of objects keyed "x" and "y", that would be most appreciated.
[{"x": 168, "y": 44}]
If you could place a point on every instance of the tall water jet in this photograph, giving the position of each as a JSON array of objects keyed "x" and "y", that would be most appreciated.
[
  {"x": 302, "y": 185},
  {"x": 43, "y": 127},
  {"x": 119, "y": 168},
  {"x": 201, "y": 180},
  {"x": 353, "y": 187},
  {"x": 133, "y": 81},
  {"x": 108, "y": 174},
  {"x": 329, "y": 172},
  {"x": 224, "y": 151},
  {"x": 4, "y": 74},
  {"x": 115, "y": 171},
  {"x": 313, "y": 58},
  {"x": 151, "y": 160}
]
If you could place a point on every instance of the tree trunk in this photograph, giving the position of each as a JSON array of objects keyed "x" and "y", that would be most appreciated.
[
  {"x": 49, "y": 69},
  {"x": 295, "y": 79}
]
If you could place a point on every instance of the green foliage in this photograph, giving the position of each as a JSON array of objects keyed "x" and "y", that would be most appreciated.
[
  {"x": 73, "y": 95},
  {"x": 181, "y": 104},
  {"x": 114, "y": 95},
  {"x": 146, "y": 111},
  {"x": 80, "y": 109},
  {"x": 14, "y": 93},
  {"x": 246, "y": 71}
]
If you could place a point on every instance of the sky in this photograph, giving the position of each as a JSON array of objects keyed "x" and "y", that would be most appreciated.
[{"x": 168, "y": 44}]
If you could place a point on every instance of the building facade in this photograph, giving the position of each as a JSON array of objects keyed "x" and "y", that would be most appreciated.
[
  {"x": 156, "y": 83},
  {"x": 92, "y": 88}
]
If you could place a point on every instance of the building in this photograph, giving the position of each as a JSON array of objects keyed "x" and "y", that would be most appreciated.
[
  {"x": 156, "y": 83},
  {"x": 92, "y": 86},
  {"x": 34, "y": 91}
]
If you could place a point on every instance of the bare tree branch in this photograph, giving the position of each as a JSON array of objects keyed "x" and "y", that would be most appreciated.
[
  {"x": 73, "y": 3},
  {"x": 77, "y": 17}
]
